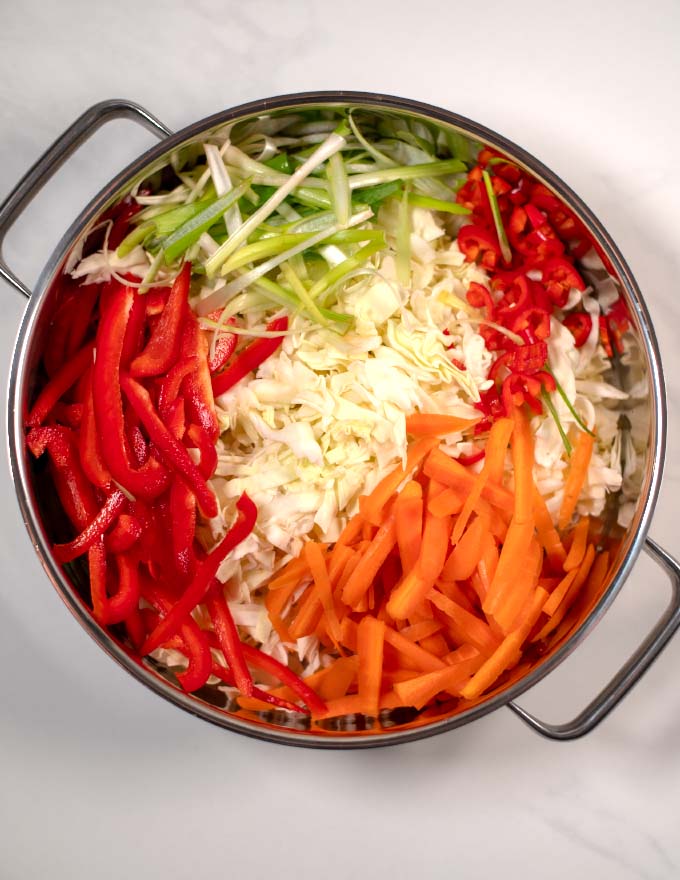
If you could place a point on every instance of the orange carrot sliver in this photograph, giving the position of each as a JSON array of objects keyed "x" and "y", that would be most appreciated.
[
  {"x": 292, "y": 573},
  {"x": 408, "y": 509},
  {"x": 447, "y": 470},
  {"x": 322, "y": 583},
  {"x": 417, "y": 692},
  {"x": 578, "y": 471},
  {"x": 578, "y": 545},
  {"x": 560, "y": 592},
  {"x": 522, "y": 463},
  {"x": 418, "y": 657},
  {"x": 510, "y": 564},
  {"x": 465, "y": 556},
  {"x": 368, "y": 566},
  {"x": 370, "y": 644},
  {"x": 421, "y": 630},
  {"x": 511, "y": 603},
  {"x": 495, "y": 449},
  {"x": 476, "y": 631},
  {"x": 446, "y": 503},
  {"x": 427, "y": 424},
  {"x": 547, "y": 533},
  {"x": 560, "y": 613},
  {"x": 378, "y": 498}
]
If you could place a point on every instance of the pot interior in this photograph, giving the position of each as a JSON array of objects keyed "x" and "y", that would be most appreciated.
[{"x": 621, "y": 522}]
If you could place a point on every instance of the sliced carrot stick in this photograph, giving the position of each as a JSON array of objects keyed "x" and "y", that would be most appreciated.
[
  {"x": 370, "y": 641},
  {"x": 307, "y": 616},
  {"x": 351, "y": 531},
  {"x": 571, "y": 594},
  {"x": 352, "y": 704},
  {"x": 476, "y": 632},
  {"x": 465, "y": 556},
  {"x": 510, "y": 564},
  {"x": 511, "y": 603},
  {"x": 522, "y": 463},
  {"x": 576, "y": 477},
  {"x": 456, "y": 593},
  {"x": 447, "y": 470},
  {"x": 547, "y": 533},
  {"x": 507, "y": 654},
  {"x": 348, "y": 634},
  {"x": 408, "y": 509},
  {"x": 560, "y": 592},
  {"x": 578, "y": 544},
  {"x": 596, "y": 579},
  {"x": 368, "y": 566},
  {"x": 336, "y": 679},
  {"x": 377, "y": 500},
  {"x": 417, "y": 692},
  {"x": 436, "y": 645},
  {"x": 487, "y": 565},
  {"x": 446, "y": 503},
  {"x": 293, "y": 572},
  {"x": 413, "y": 588},
  {"x": 275, "y": 604},
  {"x": 496, "y": 448},
  {"x": 421, "y": 630},
  {"x": 322, "y": 583},
  {"x": 418, "y": 657},
  {"x": 427, "y": 424}
]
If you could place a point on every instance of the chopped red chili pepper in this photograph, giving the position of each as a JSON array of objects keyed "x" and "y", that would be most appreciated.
[
  {"x": 559, "y": 276},
  {"x": 533, "y": 323},
  {"x": 479, "y": 245},
  {"x": 519, "y": 388},
  {"x": 579, "y": 324},
  {"x": 529, "y": 358},
  {"x": 250, "y": 358},
  {"x": 479, "y": 298},
  {"x": 473, "y": 458},
  {"x": 618, "y": 323},
  {"x": 605, "y": 339}
]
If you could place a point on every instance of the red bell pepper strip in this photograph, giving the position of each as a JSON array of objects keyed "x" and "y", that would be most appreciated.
[
  {"x": 59, "y": 384},
  {"x": 250, "y": 358},
  {"x": 121, "y": 216},
  {"x": 89, "y": 446},
  {"x": 162, "y": 349},
  {"x": 126, "y": 532},
  {"x": 197, "y": 386},
  {"x": 225, "y": 345},
  {"x": 69, "y": 414},
  {"x": 168, "y": 387},
  {"x": 183, "y": 518},
  {"x": 206, "y": 570},
  {"x": 85, "y": 300},
  {"x": 134, "y": 332},
  {"x": 151, "y": 479},
  {"x": 75, "y": 492},
  {"x": 479, "y": 245},
  {"x": 156, "y": 299},
  {"x": 171, "y": 450},
  {"x": 122, "y": 603},
  {"x": 175, "y": 420},
  {"x": 135, "y": 628},
  {"x": 191, "y": 640},
  {"x": 228, "y": 637},
  {"x": 93, "y": 531},
  {"x": 208, "y": 450},
  {"x": 225, "y": 674},
  {"x": 96, "y": 560},
  {"x": 579, "y": 324},
  {"x": 268, "y": 664}
]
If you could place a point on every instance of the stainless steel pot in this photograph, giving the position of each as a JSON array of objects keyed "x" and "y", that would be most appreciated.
[{"x": 213, "y": 706}]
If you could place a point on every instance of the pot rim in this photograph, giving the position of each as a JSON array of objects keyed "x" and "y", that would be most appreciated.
[{"x": 152, "y": 679}]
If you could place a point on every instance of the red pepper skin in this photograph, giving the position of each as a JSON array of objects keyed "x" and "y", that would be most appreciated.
[
  {"x": 579, "y": 324},
  {"x": 228, "y": 637},
  {"x": 122, "y": 603},
  {"x": 69, "y": 414},
  {"x": 191, "y": 640},
  {"x": 479, "y": 245},
  {"x": 135, "y": 628},
  {"x": 268, "y": 664},
  {"x": 171, "y": 450},
  {"x": 473, "y": 458},
  {"x": 224, "y": 346},
  {"x": 479, "y": 298},
  {"x": 197, "y": 386},
  {"x": 168, "y": 387},
  {"x": 96, "y": 559},
  {"x": 58, "y": 385},
  {"x": 249, "y": 359},
  {"x": 124, "y": 535},
  {"x": 94, "y": 529},
  {"x": 121, "y": 216},
  {"x": 183, "y": 518},
  {"x": 162, "y": 349},
  {"x": 175, "y": 421},
  {"x": 74, "y": 490},
  {"x": 558, "y": 277},
  {"x": 605, "y": 339},
  {"x": 208, "y": 450},
  {"x": 135, "y": 330},
  {"x": 534, "y": 323},
  {"x": 618, "y": 322},
  {"x": 151, "y": 479},
  {"x": 89, "y": 446},
  {"x": 521, "y": 388},
  {"x": 206, "y": 570},
  {"x": 529, "y": 358},
  {"x": 226, "y": 676}
]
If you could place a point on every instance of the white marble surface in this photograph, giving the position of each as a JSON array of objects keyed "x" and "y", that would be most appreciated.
[{"x": 100, "y": 779}]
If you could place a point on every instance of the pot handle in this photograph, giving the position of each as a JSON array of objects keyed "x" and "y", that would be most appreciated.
[
  {"x": 55, "y": 156},
  {"x": 630, "y": 672}
]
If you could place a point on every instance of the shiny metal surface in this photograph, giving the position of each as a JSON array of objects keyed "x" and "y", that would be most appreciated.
[{"x": 356, "y": 734}]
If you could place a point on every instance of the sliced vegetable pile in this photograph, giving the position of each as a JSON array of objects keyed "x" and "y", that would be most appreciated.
[{"x": 329, "y": 415}]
